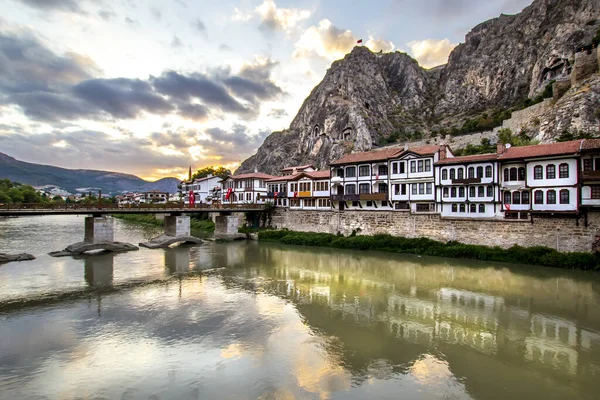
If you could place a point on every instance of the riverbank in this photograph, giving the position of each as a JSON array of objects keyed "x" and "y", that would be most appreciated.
[
  {"x": 538, "y": 255},
  {"x": 204, "y": 225}
]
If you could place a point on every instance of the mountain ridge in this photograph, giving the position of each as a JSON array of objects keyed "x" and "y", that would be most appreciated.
[
  {"x": 110, "y": 182},
  {"x": 365, "y": 97}
]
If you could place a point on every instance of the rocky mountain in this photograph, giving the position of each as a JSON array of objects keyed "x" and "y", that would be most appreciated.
[
  {"x": 82, "y": 179},
  {"x": 369, "y": 99}
]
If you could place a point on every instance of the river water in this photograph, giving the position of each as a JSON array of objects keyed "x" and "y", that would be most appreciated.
[{"x": 250, "y": 320}]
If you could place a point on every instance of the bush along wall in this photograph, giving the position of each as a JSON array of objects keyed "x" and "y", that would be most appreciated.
[{"x": 520, "y": 255}]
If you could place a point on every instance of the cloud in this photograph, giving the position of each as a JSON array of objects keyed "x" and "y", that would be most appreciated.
[
  {"x": 277, "y": 113},
  {"x": 198, "y": 25},
  {"x": 273, "y": 18},
  {"x": 107, "y": 15},
  {"x": 225, "y": 47},
  {"x": 156, "y": 13},
  {"x": 131, "y": 22},
  {"x": 431, "y": 52},
  {"x": 232, "y": 146},
  {"x": 330, "y": 42},
  {"x": 26, "y": 64},
  {"x": 176, "y": 42},
  {"x": 194, "y": 112},
  {"x": 54, "y": 5}
]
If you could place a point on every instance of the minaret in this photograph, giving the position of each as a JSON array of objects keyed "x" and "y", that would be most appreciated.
[{"x": 190, "y": 174}]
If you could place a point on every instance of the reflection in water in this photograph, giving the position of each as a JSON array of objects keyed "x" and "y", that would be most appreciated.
[
  {"x": 99, "y": 269},
  {"x": 249, "y": 320}
]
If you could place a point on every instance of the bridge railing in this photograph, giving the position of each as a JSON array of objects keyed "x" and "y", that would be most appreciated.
[{"x": 113, "y": 207}]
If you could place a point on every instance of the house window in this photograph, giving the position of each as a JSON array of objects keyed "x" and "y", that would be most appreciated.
[
  {"x": 473, "y": 208},
  {"x": 427, "y": 165},
  {"x": 462, "y": 208},
  {"x": 340, "y": 172},
  {"x": 563, "y": 171},
  {"x": 461, "y": 192},
  {"x": 513, "y": 174},
  {"x": 421, "y": 188},
  {"x": 482, "y": 208},
  {"x": 351, "y": 172},
  {"x": 472, "y": 191},
  {"x": 420, "y": 166},
  {"x": 453, "y": 192},
  {"x": 428, "y": 188},
  {"x": 452, "y": 173},
  {"x": 516, "y": 198},
  {"x": 490, "y": 191},
  {"x": 383, "y": 170},
  {"x": 488, "y": 171},
  {"x": 394, "y": 168},
  {"x": 538, "y": 197},
  {"x": 550, "y": 171},
  {"x": 471, "y": 172},
  {"x": 364, "y": 170},
  {"x": 522, "y": 174},
  {"x": 587, "y": 164},
  {"x": 564, "y": 196},
  {"x": 551, "y": 197},
  {"x": 369, "y": 203},
  {"x": 413, "y": 166},
  {"x": 364, "y": 188},
  {"x": 596, "y": 164},
  {"x": 507, "y": 198},
  {"x": 480, "y": 172},
  {"x": 461, "y": 173},
  {"x": 446, "y": 191},
  {"x": 538, "y": 173},
  {"x": 480, "y": 191},
  {"x": 401, "y": 166},
  {"x": 414, "y": 188},
  {"x": 595, "y": 192},
  {"x": 383, "y": 188},
  {"x": 505, "y": 174},
  {"x": 351, "y": 189},
  {"x": 403, "y": 189},
  {"x": 444, "y": 174},
  {"x": 454, "y": 208},
  {"x": 396, "y": 189},
  {"x": 384, "y": 203},
  {"x": 525, "y": 198}
]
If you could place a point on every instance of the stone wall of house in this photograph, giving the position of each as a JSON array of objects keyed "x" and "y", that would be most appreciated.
[
  {"x": 520, "y": 119},
  {"x": 559, "y": 233}
]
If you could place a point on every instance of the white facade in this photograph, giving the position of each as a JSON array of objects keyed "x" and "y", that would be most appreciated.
[
  {"x": 468, "y": 189},
  {"x": 361, "y": 186},
  {"x": 305, "y": 191},
  {"x": 245, "y": 189},
  {"x": 203, "y": 188},
  {"x": 553, "y": 184}
]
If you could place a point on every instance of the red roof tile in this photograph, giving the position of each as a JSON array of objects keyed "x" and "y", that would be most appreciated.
[
  {"x": 541, "y": 150},
  {"x": 426, "y": 150},
  {"x": 324, "y": 174},
  {"x": 591, "y": 144},
  {"x": 253, "y": 175},
  {"x": 367, "y": 156},
  {"x": 299, "y": 168},
  {"x": 283, "y": 178},
  {"x": 468, "y": 159}
]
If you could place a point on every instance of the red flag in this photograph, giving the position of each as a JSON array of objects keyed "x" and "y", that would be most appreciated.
[
  {"x": 228, "y": 193},
  {"x": 295, "y": 194},
  {"x": 359, "y": 41},
  {"x": 507, "y": 206}
]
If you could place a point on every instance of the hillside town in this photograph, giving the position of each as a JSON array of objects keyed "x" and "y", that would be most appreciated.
[{"x": 558, "y": 179}]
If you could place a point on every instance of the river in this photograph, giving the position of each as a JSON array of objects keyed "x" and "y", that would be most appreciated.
[{"x": 250, "y": 320}]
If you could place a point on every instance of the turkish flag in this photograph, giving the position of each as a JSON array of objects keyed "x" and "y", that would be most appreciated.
[{"x": 359, "y": 41}]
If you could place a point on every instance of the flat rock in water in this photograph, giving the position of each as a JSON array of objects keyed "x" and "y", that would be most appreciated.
[
  {"x": 82, "y": 247},
  {"x": 163, "y": 241},
  {"x": 5, "y": 257}
]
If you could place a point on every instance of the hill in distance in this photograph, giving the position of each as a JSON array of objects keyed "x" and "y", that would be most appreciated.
[{"x": 83, "y": 179}]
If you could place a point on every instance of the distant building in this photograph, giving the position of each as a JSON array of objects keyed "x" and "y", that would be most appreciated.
[
  {"x": 205, "y": 189},
  {"x": 245, "y": 188}
]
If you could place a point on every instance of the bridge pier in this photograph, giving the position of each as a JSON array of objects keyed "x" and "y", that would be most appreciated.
[
  {"x": 177, "y": 230},
  {"x": 226, "y": 227},
  {"x": 99, "y": 235}
]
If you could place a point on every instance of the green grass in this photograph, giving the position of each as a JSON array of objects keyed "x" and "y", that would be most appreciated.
[
  {"x": 195, "y": 224},
  {"x": 516, "y": 254}
]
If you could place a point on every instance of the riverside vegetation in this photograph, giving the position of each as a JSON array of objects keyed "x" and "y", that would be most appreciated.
[
  {"x": 196, "y": 223},
  {"x": 516, "y": 254}
]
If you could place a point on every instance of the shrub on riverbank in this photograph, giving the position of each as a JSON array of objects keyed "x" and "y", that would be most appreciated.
[
  {"x": 195, "y": 224},
  {"x": 516, "y": 254}
]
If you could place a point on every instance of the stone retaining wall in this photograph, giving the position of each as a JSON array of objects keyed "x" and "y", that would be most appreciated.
[{"x": 558, "y": 233}]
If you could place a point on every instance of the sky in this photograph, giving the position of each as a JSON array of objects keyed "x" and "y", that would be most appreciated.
[{"x": 151, "y": 87}]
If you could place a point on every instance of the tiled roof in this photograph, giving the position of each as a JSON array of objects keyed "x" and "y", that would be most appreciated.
[
  {"x": 326, "y": 173},
  {"x": 374, "y": 155},
  {"x": 541, "y": 150},
  {"x": 298, "y": 168},
  {"x": 426, "y": 150},
  {"x": 468, "y": 159},
  {"x": 283, "y": 178},
  {"x": 253, "y": 175},
  {"x": 591, "y": 144}
]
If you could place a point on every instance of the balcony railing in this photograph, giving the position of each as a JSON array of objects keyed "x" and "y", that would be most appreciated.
[
  {"x": 374, "y": 196},
  {"x": 591, "y": 175},
  {"x": 305, "y": 194},
  {"x": 345, "y": 197},
  {"x": 466, "y": 181}
]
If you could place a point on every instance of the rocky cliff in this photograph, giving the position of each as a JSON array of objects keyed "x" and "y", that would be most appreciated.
[{"x": 366, "y": 97}]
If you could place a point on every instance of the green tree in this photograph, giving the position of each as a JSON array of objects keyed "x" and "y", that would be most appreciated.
[
  {"x": 16, "y": 195},
  {"x": 4, "y": 198},
  {"x": 221, "y": 172}
]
